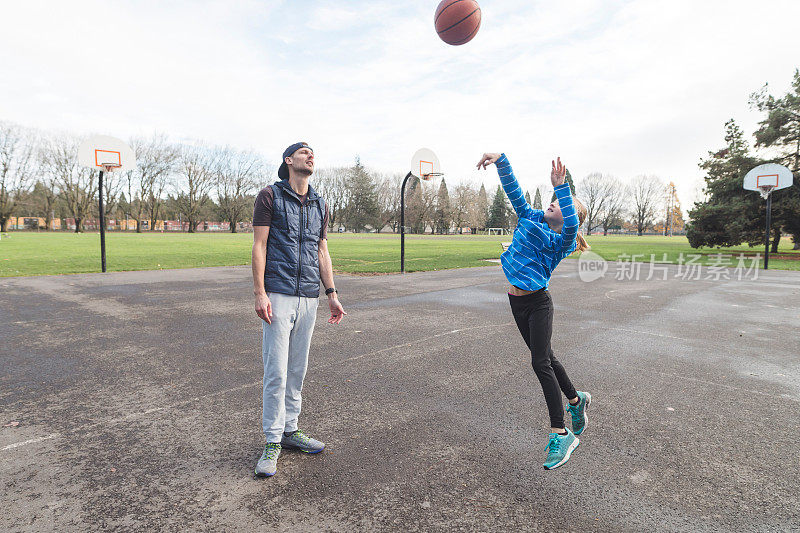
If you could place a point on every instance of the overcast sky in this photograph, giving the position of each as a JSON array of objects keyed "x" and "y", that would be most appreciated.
[{"x": 619, "y": 87}]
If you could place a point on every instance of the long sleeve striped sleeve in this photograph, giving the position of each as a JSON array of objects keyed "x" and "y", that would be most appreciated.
[
  {"x": 512, "y": 189},
  {"x": 569, "y": 230}
]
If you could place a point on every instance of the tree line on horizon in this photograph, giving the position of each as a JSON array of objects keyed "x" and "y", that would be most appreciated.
[{"x": 40, "y": 177}]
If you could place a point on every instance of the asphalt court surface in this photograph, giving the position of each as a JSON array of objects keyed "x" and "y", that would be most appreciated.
[{"x": 133, "y": 400}]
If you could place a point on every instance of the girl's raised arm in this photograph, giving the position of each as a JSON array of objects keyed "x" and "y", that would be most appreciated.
[{"x": 509, "y": 183}]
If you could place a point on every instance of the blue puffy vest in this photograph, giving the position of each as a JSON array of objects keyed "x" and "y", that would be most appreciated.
[{"x": 293, "y": 243}]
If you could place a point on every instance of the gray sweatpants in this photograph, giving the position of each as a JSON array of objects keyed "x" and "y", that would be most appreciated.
[{"x": 285, "y": 356}]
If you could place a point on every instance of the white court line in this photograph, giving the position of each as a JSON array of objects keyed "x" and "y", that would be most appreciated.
[
  {"x": 411, "y": 343},
  {"x": 706, "y": 382},
  {"x": 131, "y": 416},
  {"x": 30, "y": 441},
  {"x": 648, "y": 333}
]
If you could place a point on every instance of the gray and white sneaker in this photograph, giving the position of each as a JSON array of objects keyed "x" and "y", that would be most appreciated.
[
  {"x": 300, "y": 441},
  {"x": 268, "y": 463}
]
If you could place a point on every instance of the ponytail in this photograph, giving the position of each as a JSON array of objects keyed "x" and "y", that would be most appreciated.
[{"x": 580, "y": 243}]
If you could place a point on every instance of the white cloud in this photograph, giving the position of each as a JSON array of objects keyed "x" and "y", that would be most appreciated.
[{"x": 620, "y": 87}]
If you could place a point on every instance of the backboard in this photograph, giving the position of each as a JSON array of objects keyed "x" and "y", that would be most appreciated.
[
  {"x": 106, "y": 153},
  {"x": 425, "y": 164},
  {"x": 767, "y": 178}
]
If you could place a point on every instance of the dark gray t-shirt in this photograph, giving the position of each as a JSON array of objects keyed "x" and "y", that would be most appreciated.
[{"x": 262, "y": 210}]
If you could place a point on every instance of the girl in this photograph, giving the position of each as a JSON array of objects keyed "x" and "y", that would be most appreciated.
[{"x": 541, "y": 240}]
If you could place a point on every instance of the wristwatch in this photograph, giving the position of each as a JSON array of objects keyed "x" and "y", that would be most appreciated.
[{"x": 328, "y": 291}]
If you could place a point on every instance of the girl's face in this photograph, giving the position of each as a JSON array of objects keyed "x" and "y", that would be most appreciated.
[{"x": 553, "y": 217}]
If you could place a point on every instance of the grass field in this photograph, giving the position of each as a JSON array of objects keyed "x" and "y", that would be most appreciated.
[{"x": 31, "y": 253}]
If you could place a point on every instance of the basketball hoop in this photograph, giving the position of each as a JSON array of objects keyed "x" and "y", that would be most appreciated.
[
  {"x": 765, "y": 179},
  {"x": 106, "y": 154},
  {"x": 765, "y": 190},
  {"x": 424, "y": 166}
]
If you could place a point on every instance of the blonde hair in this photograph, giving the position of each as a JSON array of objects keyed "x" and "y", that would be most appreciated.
[{"x": 581, "y": 244}]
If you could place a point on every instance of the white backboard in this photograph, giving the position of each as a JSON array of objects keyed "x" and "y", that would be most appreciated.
[
  {"x": 768, "y": 174},
  {"x": 425, "y": 162},
  {"x": 101, "y": 150}
]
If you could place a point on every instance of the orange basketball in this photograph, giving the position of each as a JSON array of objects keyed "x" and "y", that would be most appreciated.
[{"x": 457, "y": 21}]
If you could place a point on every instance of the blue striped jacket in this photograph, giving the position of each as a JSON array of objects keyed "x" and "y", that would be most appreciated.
[{"x": 535, "y": 250}]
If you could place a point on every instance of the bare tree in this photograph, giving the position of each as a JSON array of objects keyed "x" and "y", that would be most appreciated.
[
  {"x": 77, "y": 184},
  {"x": 130, "y": 184},
  {"x": 614, "y": 206},
  {"x": 16, "y": 168},
  {"x": 647, "y": 195},
  {"x": 331, "y": 184},
  {"x": 420, "y": 204},
  {"x": 237, "y": 175},
  {"x": 463, "y": 204},
  {"x": 389, "y": 200},
  {"x": 197, "y": 170},
  {"x": 156, "y": 159},
  {"x": 44, "y": 197},
  {"x": 596, "y": 192}
]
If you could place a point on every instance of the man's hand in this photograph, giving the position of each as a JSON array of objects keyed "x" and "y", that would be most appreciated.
[
  {"x": 558, "y": 174},
  {"x": 337, "y": 311},
  {"x": 488, "y": 159},
  {"x": 264, "y": 308}
]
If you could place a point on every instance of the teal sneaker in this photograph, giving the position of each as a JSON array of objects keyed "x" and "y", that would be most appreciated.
[
  {"x": 559, "y": 448},
  {"x": 300, "y": 441},
  {"x": 268, "y": 463},
  {"x": 579, "y": 418}
]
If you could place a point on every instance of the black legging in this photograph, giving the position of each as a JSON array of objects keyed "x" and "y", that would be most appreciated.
[{"x": 534, "y": 316}]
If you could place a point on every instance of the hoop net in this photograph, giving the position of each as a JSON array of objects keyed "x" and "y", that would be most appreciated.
[
  {"x": 765, "y": 190},
  {"x": 431, "y": 175},
  {"x": 110, "y": 167}
]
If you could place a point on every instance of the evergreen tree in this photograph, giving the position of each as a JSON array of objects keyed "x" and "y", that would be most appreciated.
[
  {"x": 571, "y": 187},
  {"x": 362, "y": 207},
  {"x": 483, "y": 208},
  {"x": 443, "y": 214},
  {"x": 511, "y": 216},
  {"x": 731, "y": 215},
  {"x": 528, "y": 197},
  {"x": 780, "y": 131},
  {"x": 537, "y": 200},
  {"x": 498, "y": 213}
]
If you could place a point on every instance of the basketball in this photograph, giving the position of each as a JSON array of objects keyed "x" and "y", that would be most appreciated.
[{"x": 457, "y": 21}]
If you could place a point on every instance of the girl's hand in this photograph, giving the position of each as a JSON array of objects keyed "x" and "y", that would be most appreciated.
[
  {"x": 558, "y": 174},
  {"x": 488, "y": 159}
]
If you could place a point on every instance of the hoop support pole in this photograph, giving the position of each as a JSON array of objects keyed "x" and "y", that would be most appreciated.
[
  {"x": 102, "y": 224},
  {"x": 403, "y": 223},
  {"x": 766, "y": 238}
]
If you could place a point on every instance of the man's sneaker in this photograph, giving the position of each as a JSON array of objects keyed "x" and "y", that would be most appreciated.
[
  {"x": 300, "y": 441},
  {"x": 579, "y": 418},
  {"x": 268, "y": 463},
  {"x": 559, "y": 448}
]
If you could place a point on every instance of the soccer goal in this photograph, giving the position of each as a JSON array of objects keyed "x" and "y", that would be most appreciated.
[{"x": 496, "y": 231}]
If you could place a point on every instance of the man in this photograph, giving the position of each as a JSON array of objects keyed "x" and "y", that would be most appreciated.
[{"x": 290, "y": 256}]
